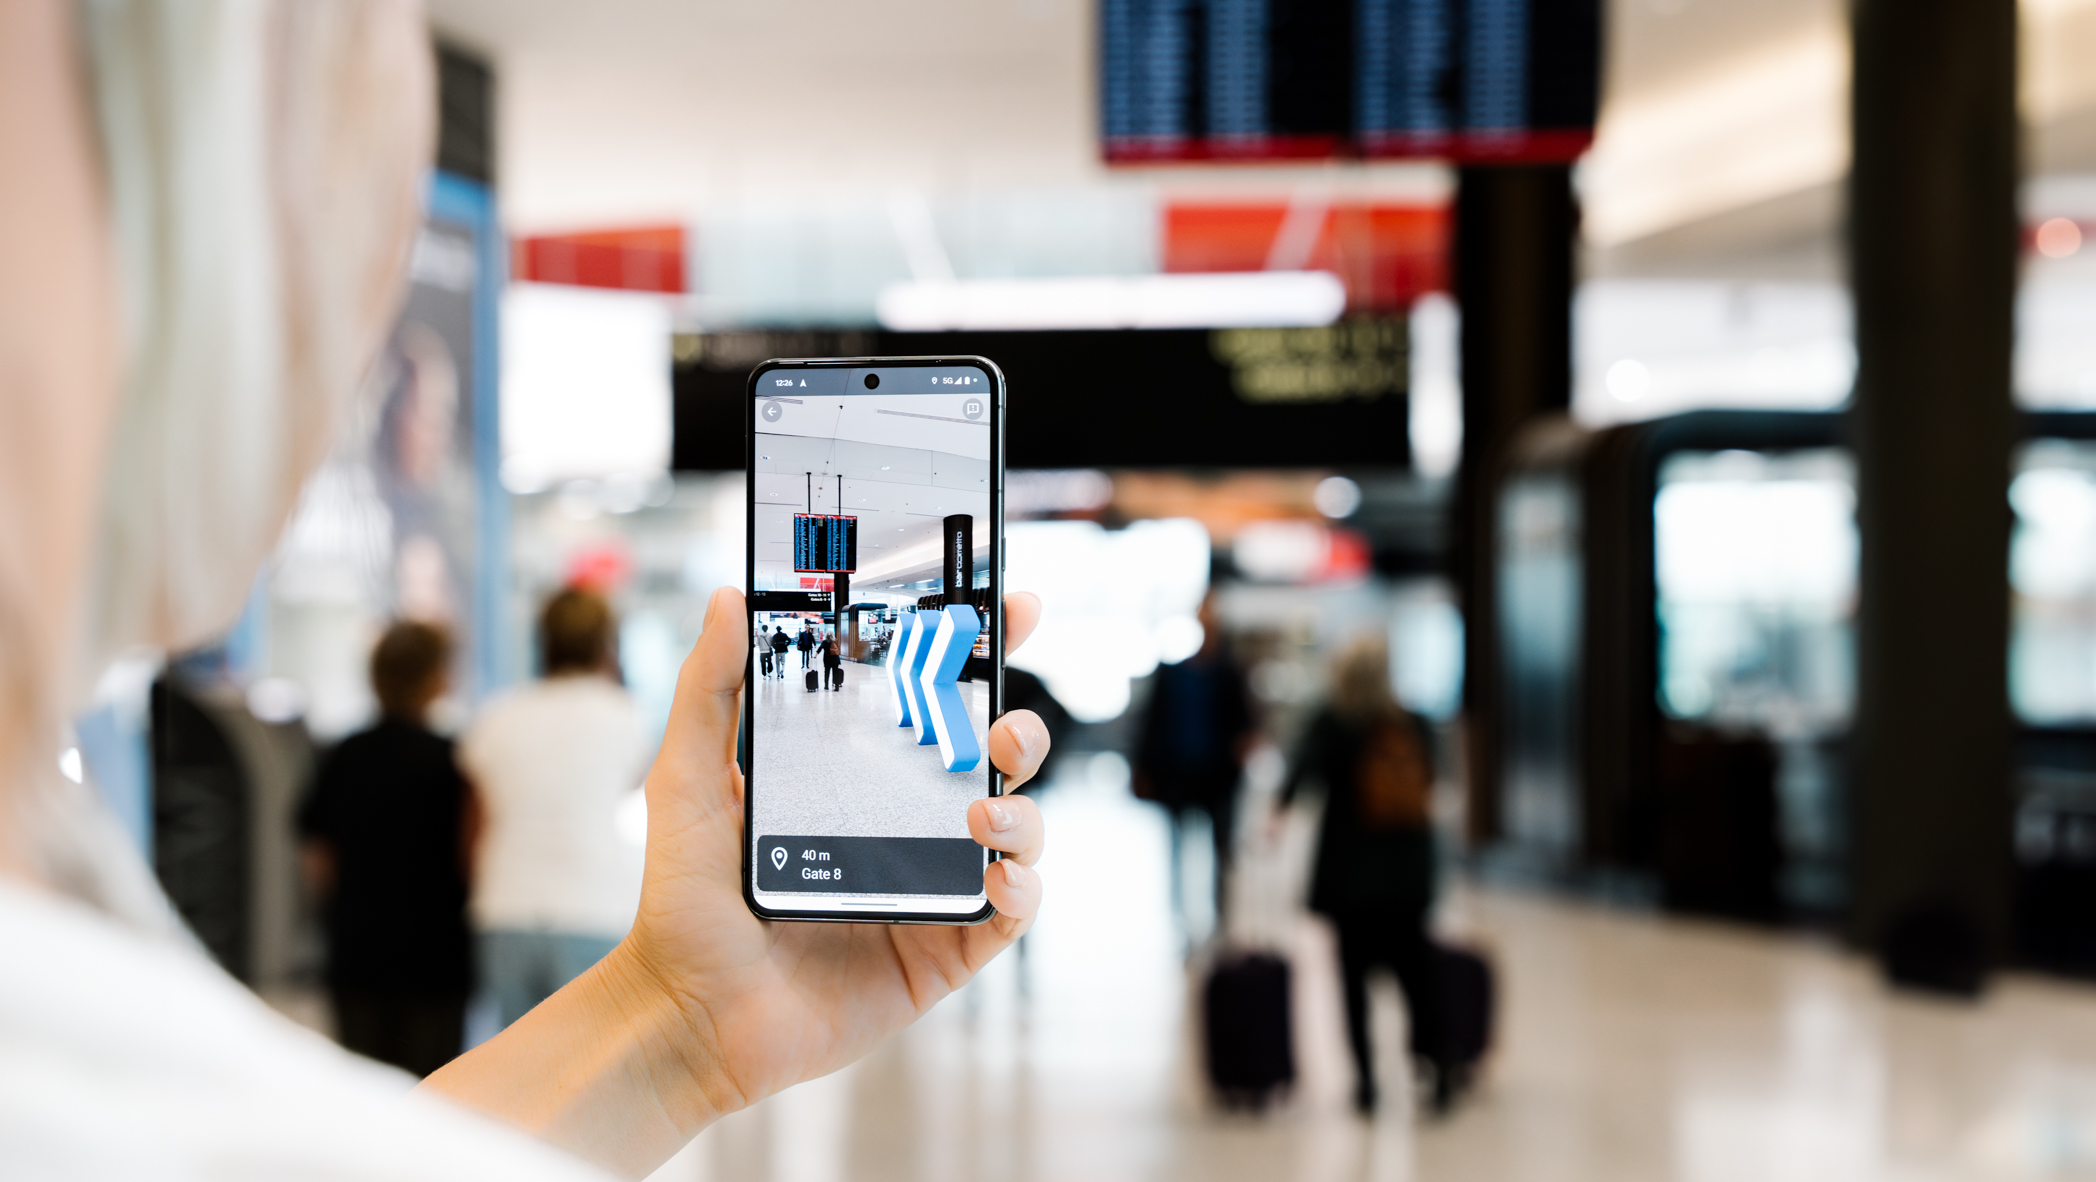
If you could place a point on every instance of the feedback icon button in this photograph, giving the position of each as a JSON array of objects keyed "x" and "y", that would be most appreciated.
[{"x": 778, "y": 857}]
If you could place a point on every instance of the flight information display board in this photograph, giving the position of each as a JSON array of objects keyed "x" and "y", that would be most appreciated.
[
  {"x": 1467, "y": 80},
  {"x": 823, "y": 543}
]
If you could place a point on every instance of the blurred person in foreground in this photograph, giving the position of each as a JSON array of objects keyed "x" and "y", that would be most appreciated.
[
  {"x": 554, "y": 887},
  {"x": 1195, "y": 739},
  {"x": 204, "y": 230},
  {"x": 1374, "y": 871},
  {"x": 386, "y": 848}
]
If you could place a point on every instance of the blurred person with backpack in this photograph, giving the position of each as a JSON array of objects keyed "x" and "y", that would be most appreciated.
[
  {"x": 386, "y": 847},
  {"x": 1374, "y": 873},
  {"x": 554, "y": 886}
]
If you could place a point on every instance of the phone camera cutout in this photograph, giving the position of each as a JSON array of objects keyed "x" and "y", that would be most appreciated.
[{"x": 873, "y": 381}]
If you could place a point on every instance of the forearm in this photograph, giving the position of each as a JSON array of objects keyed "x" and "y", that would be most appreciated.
[{"x": 612, "y": 1069}]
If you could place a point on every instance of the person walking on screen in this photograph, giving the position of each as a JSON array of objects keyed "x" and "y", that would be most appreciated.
[
  {"x": 1374, "y": 870},
  {"x": 832, "y": 663},
  {"x": 779, "y": 645},
  {"x": 385, "y": 847},
  {"x": 555, "y": 886},
  {"x": 806, "y": 643}
]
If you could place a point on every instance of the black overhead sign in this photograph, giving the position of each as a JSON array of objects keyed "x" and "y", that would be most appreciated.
[{"x": 1222, "y": 398}]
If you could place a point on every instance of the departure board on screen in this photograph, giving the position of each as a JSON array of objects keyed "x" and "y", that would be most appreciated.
[
  {"x": 1506, "y": 80},
  {"x": 825, "y": 543}
]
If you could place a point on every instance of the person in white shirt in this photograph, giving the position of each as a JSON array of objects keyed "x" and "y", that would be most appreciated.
[
  {"x": 204, "y": 225},
  {"x": 554, "y": 886}
]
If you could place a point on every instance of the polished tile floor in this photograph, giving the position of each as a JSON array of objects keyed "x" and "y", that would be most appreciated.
[
  {"x": 846, "y": 765},
  {"x": 1631, "y": 1047}
]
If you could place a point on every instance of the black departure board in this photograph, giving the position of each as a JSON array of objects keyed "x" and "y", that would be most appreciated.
[
  {"x": 823, "y": 543},
  {"x": 1468, "y": 80}
]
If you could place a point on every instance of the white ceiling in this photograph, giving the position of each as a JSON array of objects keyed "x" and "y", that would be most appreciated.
[
  {"x": 899, "y": 495},
  {"x": 620, "y": 110}
]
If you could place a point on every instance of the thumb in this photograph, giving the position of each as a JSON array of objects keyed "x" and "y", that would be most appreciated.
[{"x": 704, "y": 718}]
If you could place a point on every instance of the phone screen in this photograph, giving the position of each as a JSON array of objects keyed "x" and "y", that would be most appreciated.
[{"x": 875, "y": 550}]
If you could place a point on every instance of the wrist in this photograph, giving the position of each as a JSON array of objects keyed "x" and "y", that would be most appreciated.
[
  {"x": 675, "y": 1036},
  {"x": 618, "y": 1067}
]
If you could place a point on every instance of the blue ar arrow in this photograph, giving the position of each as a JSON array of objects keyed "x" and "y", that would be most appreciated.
[
  {"x": 920, "y": 644},
  {"x": 898, "y": 661},
  {"x": 955, "y": 639}
]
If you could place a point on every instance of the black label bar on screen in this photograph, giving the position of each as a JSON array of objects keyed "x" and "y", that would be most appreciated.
[{"x": 870, "y": 865}]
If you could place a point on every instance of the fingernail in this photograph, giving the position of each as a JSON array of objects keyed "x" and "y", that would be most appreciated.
[
  {"x": 1014, "y": 874},
  {"x": 1029, "y": 736},
  {"x": 1002, "y": 815}
]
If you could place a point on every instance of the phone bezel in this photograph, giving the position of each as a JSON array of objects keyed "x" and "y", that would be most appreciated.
[{"x": 996, "y": 561}]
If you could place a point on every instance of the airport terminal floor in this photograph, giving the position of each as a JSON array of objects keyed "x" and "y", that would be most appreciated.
[
  {"x": 875, "y": 778},
  {"x": 1631, "y": 1047}
]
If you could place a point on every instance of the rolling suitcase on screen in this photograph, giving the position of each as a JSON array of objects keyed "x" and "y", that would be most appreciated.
[
  {"x": 1245, "y": 1012},
  {"x": 836, "y": 677},
  {"x": 814, "y": 680}
]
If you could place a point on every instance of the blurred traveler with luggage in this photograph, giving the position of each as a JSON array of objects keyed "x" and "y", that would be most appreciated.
[
  {"x": 386, "y": 849},
  {"x": 554, "y": 886},
  {"x": 1195, "y": 738},
  {"x": 1374, "y": 874},
  {"x": 832, "y": 663}
]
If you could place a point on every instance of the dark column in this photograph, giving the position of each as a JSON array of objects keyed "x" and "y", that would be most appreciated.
[
  {"x": 959, "y": 534},
  {"x": 1933, "y": 243},
  {"x": 1513, "y": 268},
  {"x": 465, "y": 114}
]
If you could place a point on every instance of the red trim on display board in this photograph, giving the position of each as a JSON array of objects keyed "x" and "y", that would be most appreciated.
[{"x": 1387, "y": 254}]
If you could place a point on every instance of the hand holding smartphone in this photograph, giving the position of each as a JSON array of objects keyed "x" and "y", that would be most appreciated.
[
  {"x": 704, "y": 1007},
  {"x": 876, "y": 557}
]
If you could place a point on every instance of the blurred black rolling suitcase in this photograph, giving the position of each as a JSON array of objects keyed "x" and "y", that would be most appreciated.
[
  {"x": 1245, "y": 1012},
  {"x": 837, "y": 676},
  {"x": 814, "y": 680},
  {"x": 1467, "y": 1002}
]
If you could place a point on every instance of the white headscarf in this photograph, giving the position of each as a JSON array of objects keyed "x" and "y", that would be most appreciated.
[{"x": 265, "y": 162}]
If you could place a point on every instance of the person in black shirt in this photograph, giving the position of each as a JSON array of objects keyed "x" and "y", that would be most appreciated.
[
  {"x": 806, "y": 644},
  {"x": 779, "y": 645},
  {"x": 1191, "y": 754},
  {"x": 386, "y": 841}
]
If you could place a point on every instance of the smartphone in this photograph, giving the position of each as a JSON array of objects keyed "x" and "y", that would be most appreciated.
[{"x": 876, "y": 615}]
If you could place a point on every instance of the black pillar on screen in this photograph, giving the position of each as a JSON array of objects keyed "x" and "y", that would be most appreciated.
[
  {"x": 840, "y": 599},
  {"x": 959, "y": 536},
  {"x": 1933, "y": 240},
  {"x": 1513, "y": 267}
]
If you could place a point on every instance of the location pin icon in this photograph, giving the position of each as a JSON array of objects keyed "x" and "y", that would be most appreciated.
[{"x": 778, "y": 856}]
